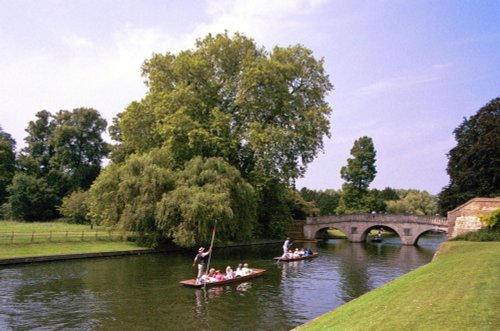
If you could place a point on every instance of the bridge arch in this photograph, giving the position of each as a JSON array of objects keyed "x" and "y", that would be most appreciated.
[
  {"x": 379, "y": 227},
  {"x": 427, "y": 232},
  {"x": 321, "y": 233}
]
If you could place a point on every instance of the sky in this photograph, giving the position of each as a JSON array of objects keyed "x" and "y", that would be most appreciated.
[{"x": 405, "y": 72}]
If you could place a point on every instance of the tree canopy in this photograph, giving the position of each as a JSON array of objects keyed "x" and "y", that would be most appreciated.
[
  {"x": 260, "y": 116},
  {"x": 145, "y": 195},
  {"x": 474, "y": 163},
  {"x": 262, "y": 112},
  {"x": 358, "y": 174},
  {"x": 326, "y": 201},
  {"x": 7, "y": 162},
  {"x": 63, "y": 154},
  {"x": 31, "y": 198},
  {"x": 413, "y": 202}
]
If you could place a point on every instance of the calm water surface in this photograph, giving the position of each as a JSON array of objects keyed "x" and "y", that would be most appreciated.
[{"x": 143, "y": 293}]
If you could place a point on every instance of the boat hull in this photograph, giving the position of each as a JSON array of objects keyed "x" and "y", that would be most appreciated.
[
  {"x": 279, "y": 258},
  {"x": 193, "y": 283}
]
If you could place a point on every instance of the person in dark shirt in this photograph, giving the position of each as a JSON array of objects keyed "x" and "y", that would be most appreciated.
[{"x": 200, "y": 260}]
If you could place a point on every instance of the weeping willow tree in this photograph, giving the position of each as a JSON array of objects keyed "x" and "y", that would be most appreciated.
[
  {"x": 208, "y": 190},
  {"x": 143, "y": 194}
]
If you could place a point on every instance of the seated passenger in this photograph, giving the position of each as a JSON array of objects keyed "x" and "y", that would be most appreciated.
[
  {"x": 218, "y": 276},
  {"x": 229, "y": 273},
  {"x": 239, "y": 271},
  {"x": 246, "y": 270},
  {"x": 211, "y": 275},
  {"x": 203, "y": 279}
]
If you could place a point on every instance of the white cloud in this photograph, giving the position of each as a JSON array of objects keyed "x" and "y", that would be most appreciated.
[
  {"x": 397, "y": 83},
  {"x": 76, "y": 42},
  {"x": 268, "y": 22},
  {"x": 277, "y": 9}
]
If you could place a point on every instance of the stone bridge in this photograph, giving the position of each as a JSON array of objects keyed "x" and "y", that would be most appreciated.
[{"x": 357, "y": 226}]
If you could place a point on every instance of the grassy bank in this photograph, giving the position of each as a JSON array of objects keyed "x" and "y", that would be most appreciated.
[
  {"x": 13, "y": 226},
  {"x": 55, "y": 245},
  {"x": 459, "y": 290},
  {"x": 43, "y": 249}
]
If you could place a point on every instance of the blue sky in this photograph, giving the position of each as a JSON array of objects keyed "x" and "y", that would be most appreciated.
[{"x": 406, "y": 73}]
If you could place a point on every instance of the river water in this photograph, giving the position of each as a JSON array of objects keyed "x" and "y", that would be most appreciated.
[{"x": 143, "y": 293}]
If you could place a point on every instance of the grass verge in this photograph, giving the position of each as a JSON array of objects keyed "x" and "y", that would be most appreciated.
[
  {"x": 13, "y": 226},
  {"x": 43, "y": 249},
  {"x": 459, "y": 290}
]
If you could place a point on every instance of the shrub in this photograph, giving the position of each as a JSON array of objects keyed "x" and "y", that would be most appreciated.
[
  {"x": 493, "y": 220},
  {"x": 74, "y": 207},
  {"x": 484, "y": 234}
]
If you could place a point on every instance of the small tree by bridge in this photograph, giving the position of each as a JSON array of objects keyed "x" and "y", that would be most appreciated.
[{"x": 359, "y": 172}]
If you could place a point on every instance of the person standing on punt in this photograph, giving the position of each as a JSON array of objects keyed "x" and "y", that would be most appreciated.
[
  {"x": 200, "y": 260},
  {"x": 286, "y": 245}
]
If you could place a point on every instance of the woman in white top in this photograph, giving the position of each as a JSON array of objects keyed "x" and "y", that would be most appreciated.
[
  {"x": 246, "y": 270},
  {"x": 229, "y": 273},
  {"x": 239, "y": 271}
]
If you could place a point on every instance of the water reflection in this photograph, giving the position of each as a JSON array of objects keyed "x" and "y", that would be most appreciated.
[{"x": 130, "y": 293}]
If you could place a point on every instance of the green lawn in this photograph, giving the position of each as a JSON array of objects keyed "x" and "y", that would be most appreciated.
[
  {"x": 43, "y": 232},
  {"x": 13, "y": 226},
  {"x": 43, "y": 249},
  {"x": 52, "y": 238},
  {"x": 460, "y": 290}
]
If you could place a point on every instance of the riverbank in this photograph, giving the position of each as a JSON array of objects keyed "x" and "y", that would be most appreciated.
[
  {"x": 459, "y": 290},
  {"x": 24, "y": 253},
  {"x": 39, "y": 252}
]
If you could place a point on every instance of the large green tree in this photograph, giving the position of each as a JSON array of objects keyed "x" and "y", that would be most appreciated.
[
  {"x": 474, "y": 163},
  {"x": 78, "y": 145},
  {"x": 359, "y": 172},
  {"x": 68, "y": 143},
  {"x": 35, "y": 157},
  {"x": 7, "y": 162},
  {"x": 262, "y": 112},
  {"x": 32, "y": 198},
  {"x": 63, "y": 153}
]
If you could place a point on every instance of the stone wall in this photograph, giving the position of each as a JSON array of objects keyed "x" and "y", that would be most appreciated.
[{"x": 465, "y": 218}]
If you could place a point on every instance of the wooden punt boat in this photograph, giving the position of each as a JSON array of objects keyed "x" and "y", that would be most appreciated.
[
  {"x": 377, "y": 239},
  {"x": 285, "y": 259},
  {"x": 254, "y": 274}
]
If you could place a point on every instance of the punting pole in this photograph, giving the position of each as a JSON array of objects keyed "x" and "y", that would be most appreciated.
[{"x": 211, "y": 245}]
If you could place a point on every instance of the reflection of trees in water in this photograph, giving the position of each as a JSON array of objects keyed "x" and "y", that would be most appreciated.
[
  {"x": 355, "y": 280},
  {"x": 48, "y": 295},
  {"x": 365, "y": 266}
]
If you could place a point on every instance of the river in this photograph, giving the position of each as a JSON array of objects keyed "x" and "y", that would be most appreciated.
[{"x": 143, "y": 293}]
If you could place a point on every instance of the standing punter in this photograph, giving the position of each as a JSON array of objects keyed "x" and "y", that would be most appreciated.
[
  {"x": 200, "y": 260},
  {"x": 286, "y": 245}
]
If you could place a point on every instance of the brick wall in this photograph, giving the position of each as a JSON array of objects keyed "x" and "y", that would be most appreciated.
[{"x": 465, "y": 218}]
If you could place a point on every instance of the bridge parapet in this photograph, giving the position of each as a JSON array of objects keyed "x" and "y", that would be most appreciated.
[
  {"x": 381, "y": 218},
  {"x": 357, "y": 226}
]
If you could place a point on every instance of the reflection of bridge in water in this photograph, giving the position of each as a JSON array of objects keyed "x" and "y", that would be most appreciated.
[{"x": 357, "y": 226}]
